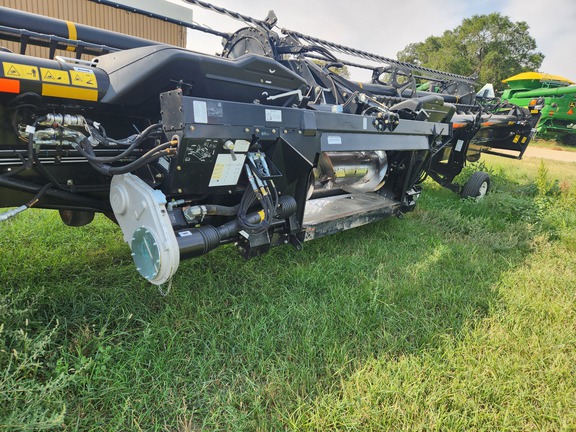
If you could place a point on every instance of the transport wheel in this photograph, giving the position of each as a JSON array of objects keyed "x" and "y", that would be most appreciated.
[
  {"x": 569, "y": 139},
  {"x": 477, "y": 186},
  {"x": 76, "y": 218}
]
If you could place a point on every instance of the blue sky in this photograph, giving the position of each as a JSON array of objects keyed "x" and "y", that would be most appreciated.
[{"x": 385, "y": 27}]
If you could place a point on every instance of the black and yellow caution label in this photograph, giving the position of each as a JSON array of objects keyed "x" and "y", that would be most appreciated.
[
  {"x": 83, "y": 79},
  {"x": 55, "y": 76},
  {"x": 20, "y": 71},
  {"x": 77, "y": 83}
]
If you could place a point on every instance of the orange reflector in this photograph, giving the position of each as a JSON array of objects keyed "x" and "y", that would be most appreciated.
[
  {"x": 570, "y": 112},
  {"x": 551, "y": 113},
  {"x": 9, "y": 85},
  {"x": 486, "y": 124},
  {"x": 458, "y": 125}
]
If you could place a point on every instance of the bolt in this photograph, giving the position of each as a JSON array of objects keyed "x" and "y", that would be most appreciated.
[
  {"x": 179, "y": 190},
  {"x": 246, "y": 130},
  {"x": 285, "y": 131},
  {"x": 179, "y": 168},
  {"x": 192, "y": 128},
  {"x": 273, "y": 131},
  {"x": 257, "y": 130}
]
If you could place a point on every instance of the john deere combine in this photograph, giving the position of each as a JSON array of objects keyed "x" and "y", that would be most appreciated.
[{"x": 558, "y": 119}]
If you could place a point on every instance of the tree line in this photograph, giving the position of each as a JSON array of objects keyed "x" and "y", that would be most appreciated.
[{"x": 489, "y": 47}]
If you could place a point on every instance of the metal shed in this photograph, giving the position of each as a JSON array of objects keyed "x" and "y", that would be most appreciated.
[{"x": 97, "y": 15}]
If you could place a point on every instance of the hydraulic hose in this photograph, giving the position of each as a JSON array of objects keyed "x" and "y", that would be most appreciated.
[
  {"x": 69, "y": 197},
  {"x": 11, "y": 213},
  {"x": 165, "y": 149},
  {"x": 129, "y": 150}
]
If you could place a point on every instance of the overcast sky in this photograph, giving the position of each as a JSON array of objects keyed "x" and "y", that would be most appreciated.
[{"x": 385, "y": 27}]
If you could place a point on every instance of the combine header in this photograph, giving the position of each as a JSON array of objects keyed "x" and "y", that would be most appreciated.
[
  {"x": 260, "y": 146},
  {"x": 558, "y": 120}
]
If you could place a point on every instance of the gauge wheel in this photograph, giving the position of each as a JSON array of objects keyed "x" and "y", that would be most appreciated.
[
  {"x": 477, "y": 187},
  {"x": 473, "y": 156}
]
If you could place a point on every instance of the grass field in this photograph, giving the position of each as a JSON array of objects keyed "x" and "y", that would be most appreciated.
[{"x": 461, "y": 316}]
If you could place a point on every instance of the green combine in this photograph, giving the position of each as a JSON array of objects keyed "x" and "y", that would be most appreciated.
[{"x": 558, "y": 120}]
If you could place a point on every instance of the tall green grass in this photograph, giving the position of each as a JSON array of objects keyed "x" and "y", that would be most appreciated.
[{"x": 461, "y": 316}]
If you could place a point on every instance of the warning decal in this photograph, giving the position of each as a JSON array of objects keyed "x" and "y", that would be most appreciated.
[
  {"x": 55, "y": 76},
  {"x": 84, "y": 79},
  {"x": 227, "y": 170},
  {"x": 79, "y": 83},
  {"x": 19, "y": 71}
]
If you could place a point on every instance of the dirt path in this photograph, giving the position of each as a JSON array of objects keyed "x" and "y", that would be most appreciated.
[{"x": 557, "y": 155}]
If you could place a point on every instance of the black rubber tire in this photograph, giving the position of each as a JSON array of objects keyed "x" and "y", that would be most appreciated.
[
  {"x": 76, "y": 218},
  {"x": 477, "y": 186},
  {"x": 569, "y": 139},
  {"x": 473, "y": 156}
]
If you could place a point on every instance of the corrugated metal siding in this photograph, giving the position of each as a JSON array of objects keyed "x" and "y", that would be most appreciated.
[{"x": 96, "y": 15}]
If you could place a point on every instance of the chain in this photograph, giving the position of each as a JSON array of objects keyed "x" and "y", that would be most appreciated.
[
  {"x": 374, "y": 57},
  {"x": 231, "y": 14},
  {"x": 165, "y": 293}
]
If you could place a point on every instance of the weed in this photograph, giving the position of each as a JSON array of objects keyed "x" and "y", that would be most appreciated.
[{"x": 34, "y": 377}]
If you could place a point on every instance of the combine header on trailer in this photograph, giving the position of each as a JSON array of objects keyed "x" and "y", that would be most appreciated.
[{"x": 261, "y": 146}]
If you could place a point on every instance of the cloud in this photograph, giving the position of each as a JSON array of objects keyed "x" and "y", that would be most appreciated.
[{"x": 552, "y": 24}]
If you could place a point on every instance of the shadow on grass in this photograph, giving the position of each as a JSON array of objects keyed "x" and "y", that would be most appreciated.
[{"x": 237, "y": 344}]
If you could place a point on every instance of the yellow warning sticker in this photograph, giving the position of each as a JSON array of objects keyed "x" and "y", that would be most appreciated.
[
  {"x": 84, "y": 79},
  {"x": 516, "y": 139},
  {"x": 54, "y": 76},
  {"x": 20, "y": 71}
]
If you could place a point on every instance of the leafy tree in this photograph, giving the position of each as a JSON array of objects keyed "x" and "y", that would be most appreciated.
[
  {"x": 490, "y": 46},
  {"x": 342, "y": 71}
]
